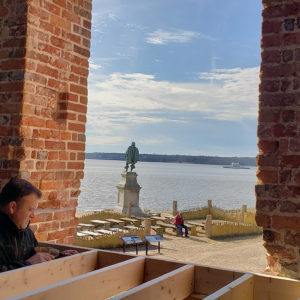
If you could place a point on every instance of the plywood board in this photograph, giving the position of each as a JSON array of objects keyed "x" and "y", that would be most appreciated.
[
  {"x": 209, "y": 279},
  {"x": 99, "y": 284},
  {"x": 240, "y": 289},
  {"x": 275, "y": 288},
  {"x": 29, "y": 278},
  {"x": 177, "y": 284}
]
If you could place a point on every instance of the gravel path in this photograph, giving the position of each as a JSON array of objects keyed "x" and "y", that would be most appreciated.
[{"x": 237, "y": 253}]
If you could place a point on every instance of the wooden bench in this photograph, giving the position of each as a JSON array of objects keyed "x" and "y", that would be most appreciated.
[
  {"x": 159, "y": 230},
  {"x": 105, "y": 224},
  {"x": 119, "y": 223},
  {"x": 118, "y": 230},
  {"x": 80, "y": 234},
  {"x": 201, "y": 225},
  {"x": 92, "y": 233},
  {"x": 131, "y": 227},
  {"x": 85, "y": 225},
  {"x": 191, "y": 228},
  {"x": 158, "y": 218},
  {"x": 135, "y": 222},
  {"x": 104, "y": 231}
]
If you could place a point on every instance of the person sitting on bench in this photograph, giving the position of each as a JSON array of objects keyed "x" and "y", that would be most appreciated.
[{"x": 179, "y": 223}]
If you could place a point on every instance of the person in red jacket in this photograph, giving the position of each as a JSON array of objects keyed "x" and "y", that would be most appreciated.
[{"x": 179, "y": 223}]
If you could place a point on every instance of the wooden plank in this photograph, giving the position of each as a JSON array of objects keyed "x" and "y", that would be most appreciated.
[
  {"x": 62, "y": 247},
  {"x": 108, "y": 258},
  {"x": 135, "y": 222},
  {"x": 100, "y": 284},
  {"x": 92, "y": 233},
  {"x": 158, "y": 267},
  {"x": 104, "y": 231},
  {"x": 209, "y": 279},
  {"x": 177, "y": 284},
  {"x": 29, "y": 278},
  {"x": 105, "y": 224},
  {"x": 275, "y": 288},
  {"x": 242, "y": 288}
]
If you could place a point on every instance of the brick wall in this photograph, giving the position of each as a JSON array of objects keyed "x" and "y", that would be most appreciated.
[
  {"x": 12, "y": 61},
  {"x": 278, "y": 188},
  {"x": 51, "y": 114}
]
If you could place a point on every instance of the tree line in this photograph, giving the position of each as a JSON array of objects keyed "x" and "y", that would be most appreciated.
[{"x": 208, "y": 160}]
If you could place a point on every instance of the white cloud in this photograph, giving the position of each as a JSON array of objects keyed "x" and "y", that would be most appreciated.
[
  {"x": 95, "y": 66},
  {"x": 161, "y": 37},
  {"x": 120, "y": 101}
]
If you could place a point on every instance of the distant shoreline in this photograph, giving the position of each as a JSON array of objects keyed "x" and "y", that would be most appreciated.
[{"x": 189, "y": 159}]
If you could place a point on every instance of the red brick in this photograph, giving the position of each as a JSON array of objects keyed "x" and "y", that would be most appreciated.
[
  {"x": 56, "y": 165},
  {"x": 266, "y": 176},
  {"x": 263, "y": 220},
  {"x": 53, "y": 145},
  {"x": 76, "y": 127},
  {"x": 285, "y": 222}
]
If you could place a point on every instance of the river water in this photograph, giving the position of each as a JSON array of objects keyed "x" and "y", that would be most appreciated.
[{"x": 190, "y": 184}]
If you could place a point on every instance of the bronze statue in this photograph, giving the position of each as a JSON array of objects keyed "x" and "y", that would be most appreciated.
[{"x": 132, "y": 157}]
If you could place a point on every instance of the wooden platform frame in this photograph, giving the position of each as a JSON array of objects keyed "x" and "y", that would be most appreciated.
[{"x": 99, "y": 274}]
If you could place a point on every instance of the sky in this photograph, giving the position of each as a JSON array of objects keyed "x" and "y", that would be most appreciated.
[{"x": 176, "y": 77}]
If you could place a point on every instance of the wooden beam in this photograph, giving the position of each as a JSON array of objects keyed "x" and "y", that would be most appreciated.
[
  {"x": 99, "y": 284},
  {"x": 29, "y": 278},
  {"x": 242, "y": 288},
  {"x": 275, "y": 288},
  {"x": 177, "y": 284},
  {"x": 158, "y": 267},
  {"x": 108, "y": 258},
  {"x": 209, "y": 279}
]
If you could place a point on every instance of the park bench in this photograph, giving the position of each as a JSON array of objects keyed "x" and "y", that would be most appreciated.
[
  {"x": 116, "y": 230},
  {"x": 191, "y": 228},
  {"x": 158, "y": 218},
  {"x": 104, "y": 231},
  {"x": 201, "y": 225},
  {"x": 104, "y": 224},
  {"x": 158, "y": 229},
  {"x": 131, "y": 227},
  {"x": 80, "y": 234},
  {"x": 119, "y": 223},
  {"x": 92, "y": 233},
  {"x": 85, "y": 226},
  {"x": 135, "y": 222}
]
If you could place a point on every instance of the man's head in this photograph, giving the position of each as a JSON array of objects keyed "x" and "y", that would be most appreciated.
[{"x": 19, "y": 199}]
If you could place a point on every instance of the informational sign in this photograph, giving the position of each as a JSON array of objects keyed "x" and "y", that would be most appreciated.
[
  {"x": 153, "y": 238},
  {"x": 131, "y": 239}
]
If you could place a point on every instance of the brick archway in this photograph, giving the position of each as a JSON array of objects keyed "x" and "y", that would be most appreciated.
[{"x": 44, "y": 54}]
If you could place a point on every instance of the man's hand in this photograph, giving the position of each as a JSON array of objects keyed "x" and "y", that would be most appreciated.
[
  {"x": 69, "y": 252},
  {"x": 40, "y": 257}
]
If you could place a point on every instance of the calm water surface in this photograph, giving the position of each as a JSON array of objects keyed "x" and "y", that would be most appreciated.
[{"x": 190, "y": 184}]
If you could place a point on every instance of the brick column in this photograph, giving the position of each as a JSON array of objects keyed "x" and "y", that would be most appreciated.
[
  {"x": 278, "y": 187},
  {"x": 45, "y": 118}
]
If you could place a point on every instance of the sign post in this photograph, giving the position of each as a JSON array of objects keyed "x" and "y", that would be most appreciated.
[
  {"x": 131, "y": 240},
  {"x": 153, "y": 239}
]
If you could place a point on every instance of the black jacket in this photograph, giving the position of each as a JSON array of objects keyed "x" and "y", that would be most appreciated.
[{"x": 16, "y": 245}]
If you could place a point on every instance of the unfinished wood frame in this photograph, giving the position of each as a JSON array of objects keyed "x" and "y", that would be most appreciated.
[{"x": 100, "y": 274}]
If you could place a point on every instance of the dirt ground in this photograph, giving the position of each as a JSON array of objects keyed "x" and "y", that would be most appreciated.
[{"x": 237, "y": 253}]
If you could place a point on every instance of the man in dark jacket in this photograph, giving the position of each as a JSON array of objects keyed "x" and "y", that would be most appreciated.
[{"x": 18, "y": 201}]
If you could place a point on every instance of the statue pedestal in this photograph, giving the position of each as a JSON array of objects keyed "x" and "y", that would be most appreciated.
[{"x": 129, "y": 192}]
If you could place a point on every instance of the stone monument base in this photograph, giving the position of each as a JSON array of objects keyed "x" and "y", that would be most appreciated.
[{"x": 129, "y": 192}]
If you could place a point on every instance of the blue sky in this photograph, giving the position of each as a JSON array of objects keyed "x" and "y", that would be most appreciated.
[{"x": 177, "y": 77}]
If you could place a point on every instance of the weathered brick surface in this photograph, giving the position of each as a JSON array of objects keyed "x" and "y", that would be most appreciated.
[
  {"x": 44, "y": 54},
  {"x": 278, "y": 187}
]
